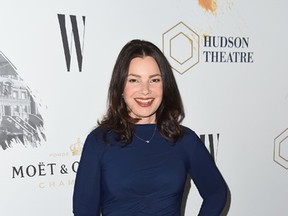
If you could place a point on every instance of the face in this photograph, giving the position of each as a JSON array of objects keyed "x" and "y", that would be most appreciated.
[{"x": 143, "y": 89}]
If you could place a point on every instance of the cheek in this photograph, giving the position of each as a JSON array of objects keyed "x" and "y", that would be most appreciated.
[
  {"x": 159, "y": 91},
  {"x": 127, "y": 96},
  {"x": 128, "y": 91}
]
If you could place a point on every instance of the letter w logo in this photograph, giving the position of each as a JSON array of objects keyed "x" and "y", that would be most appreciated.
[
  {"x": 213, "y": 144},
  {"x": 74, "y": 34}
]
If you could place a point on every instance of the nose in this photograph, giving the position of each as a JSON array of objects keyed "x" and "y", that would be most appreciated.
[{"x": 145, "y": 88}]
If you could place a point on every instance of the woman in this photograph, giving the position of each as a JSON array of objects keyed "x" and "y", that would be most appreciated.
[{"x": 136, "y": 161}]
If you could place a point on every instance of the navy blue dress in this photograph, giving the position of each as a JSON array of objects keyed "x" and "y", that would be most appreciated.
[{"x": 144, "y": 179}]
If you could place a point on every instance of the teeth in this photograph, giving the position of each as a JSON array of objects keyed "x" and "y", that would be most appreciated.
[{"x": 144, "y": 100}]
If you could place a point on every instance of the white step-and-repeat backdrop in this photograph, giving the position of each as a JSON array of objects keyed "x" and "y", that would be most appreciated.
[{"x": 230, "y": 61}]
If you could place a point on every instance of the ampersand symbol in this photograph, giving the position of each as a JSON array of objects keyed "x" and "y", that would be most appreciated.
[{"x": 64, "y": 170}]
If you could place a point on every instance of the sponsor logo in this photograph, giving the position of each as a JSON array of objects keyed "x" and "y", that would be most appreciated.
[
  {"x": 181, "y": 46},
  {"x": 227, "y": 49},
  {"x": 70, "y": 34},
  {"x": 184, "y": 48},
  {"x": 53, "y": 173},
  {"x": 281, "y": 149},
  {"x": 76, "y": 148}
]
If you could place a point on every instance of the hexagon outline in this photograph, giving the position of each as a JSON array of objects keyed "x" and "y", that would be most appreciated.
[
  {"x": 277, "y": 150},
  {"x": 280, "y": 144},
  {"x": 170, "y": 53},
  {"x": 197, "y": 45}
]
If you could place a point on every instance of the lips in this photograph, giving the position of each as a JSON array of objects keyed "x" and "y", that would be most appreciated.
[{"x": 144, "y": 102}]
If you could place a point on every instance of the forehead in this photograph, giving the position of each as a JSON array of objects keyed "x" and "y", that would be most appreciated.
[{"x": 143, "y": 65}]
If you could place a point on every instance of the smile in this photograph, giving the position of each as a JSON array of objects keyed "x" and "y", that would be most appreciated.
[{"x": 144, "y": 102}]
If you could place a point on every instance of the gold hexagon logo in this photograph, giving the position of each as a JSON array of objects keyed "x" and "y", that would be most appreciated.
[
  {"x": 281, "y": 149},
  {"x": 180, "y": 45}
]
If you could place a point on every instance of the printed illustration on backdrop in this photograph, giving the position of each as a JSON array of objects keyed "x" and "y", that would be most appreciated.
[
  {"x": 208, "y": 5},
  {"x": 20, "y": 120}
]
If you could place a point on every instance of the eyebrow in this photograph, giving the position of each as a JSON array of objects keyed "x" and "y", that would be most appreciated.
[{"x": 151, "y": 76}]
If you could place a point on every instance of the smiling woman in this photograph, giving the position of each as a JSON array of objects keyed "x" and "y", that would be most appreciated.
[
  {"x": 141, "y": 64},
  {"x": 136, "y": 161},
  {"x": 143, "y": 90}
]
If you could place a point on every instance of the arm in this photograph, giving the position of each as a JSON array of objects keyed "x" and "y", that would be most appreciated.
[
  {"x": 207, "y": 179},
  {"x": 86, "y": 197}
]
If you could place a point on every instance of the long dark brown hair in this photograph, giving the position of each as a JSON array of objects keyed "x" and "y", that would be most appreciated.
[{"x": 170, "y": 112}]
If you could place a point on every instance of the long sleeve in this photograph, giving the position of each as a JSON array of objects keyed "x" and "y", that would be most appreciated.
[
  {"x": 207, "y": 179},
  {"x": 86, "y": 197}
]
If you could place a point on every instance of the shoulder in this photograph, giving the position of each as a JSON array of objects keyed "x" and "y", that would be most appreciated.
[
  {"x": 96, "y": 134},
  {"x": 94, "y": 143},
  {"x": 192, "y": 146},
  {"x": 189, "y": 139},
  {"x": 189, "y": 133}
]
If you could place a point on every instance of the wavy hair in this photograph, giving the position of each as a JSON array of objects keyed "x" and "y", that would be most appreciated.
[{"x": 170, "y": 112}]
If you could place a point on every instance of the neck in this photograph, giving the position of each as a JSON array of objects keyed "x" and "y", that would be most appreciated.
[{"x": 146, "y": 121}]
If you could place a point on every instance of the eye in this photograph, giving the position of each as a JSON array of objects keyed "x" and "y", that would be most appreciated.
[
  {"x": 155, "y": 80},
  {"x": 132, "y": 80}
]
